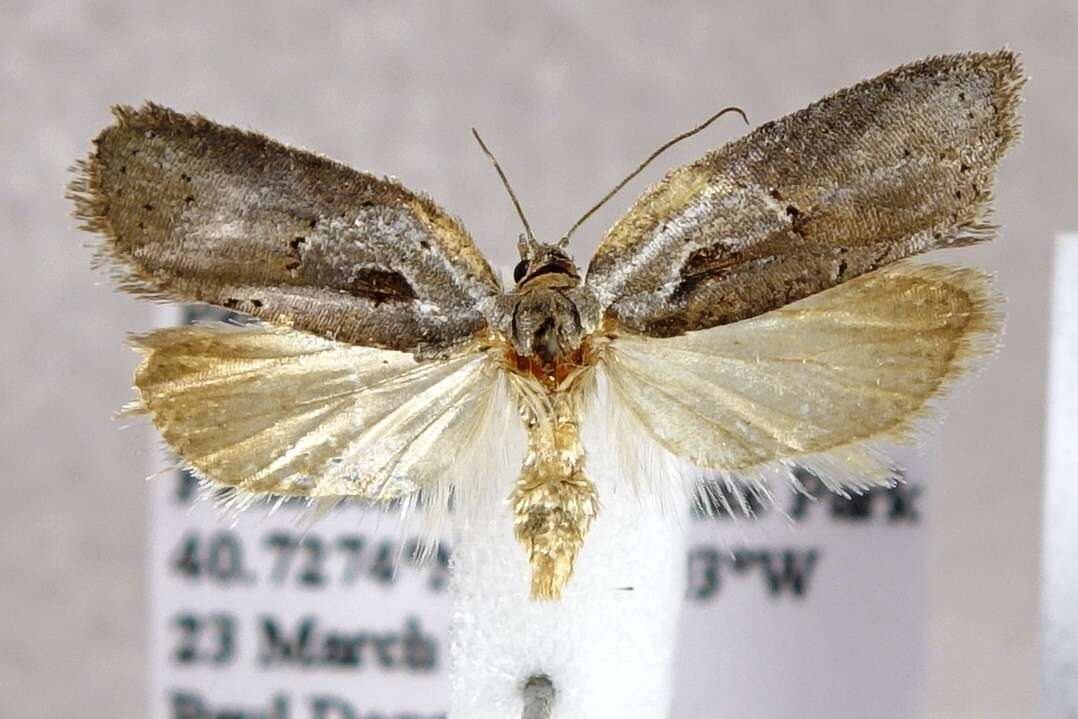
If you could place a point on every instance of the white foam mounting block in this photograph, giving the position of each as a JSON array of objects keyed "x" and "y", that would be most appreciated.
[
  {"x": 1060, "y": 618},
  {"x": 606, "y": 645},
  {"x": 816, "y": 608}
]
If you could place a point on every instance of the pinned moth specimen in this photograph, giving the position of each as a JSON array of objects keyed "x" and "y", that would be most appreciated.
[{"x": 750, "y": 312}]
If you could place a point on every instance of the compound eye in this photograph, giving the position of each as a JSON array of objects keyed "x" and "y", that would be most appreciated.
[{"x": 520, "y": 270}]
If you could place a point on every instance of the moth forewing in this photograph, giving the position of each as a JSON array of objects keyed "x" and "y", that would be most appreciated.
[
  {"x": 891, "y": 167},
  {"x": 197, "y": 212}
]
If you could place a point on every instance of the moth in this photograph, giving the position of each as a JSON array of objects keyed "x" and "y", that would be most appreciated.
[{"x": 751, "y": 311}]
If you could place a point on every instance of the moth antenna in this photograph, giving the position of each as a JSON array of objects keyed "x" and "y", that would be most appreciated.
[
  {"x": 683, "y": 136},
  {"x": 508, "y": 187}
]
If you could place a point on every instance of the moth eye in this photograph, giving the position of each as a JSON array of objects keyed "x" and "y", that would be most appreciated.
[{"x": 520, "y": 270}]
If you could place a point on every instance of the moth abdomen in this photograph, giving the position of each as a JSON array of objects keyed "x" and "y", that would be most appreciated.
[{"x": 554, "y": 501}]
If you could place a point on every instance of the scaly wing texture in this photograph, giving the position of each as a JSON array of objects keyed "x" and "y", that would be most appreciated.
[
  {"x": 196, "y": 212},
  {"x": 816, "y": 381},
  {"x": 269, "y": 410},
  {"x": 889, "y": 168}
]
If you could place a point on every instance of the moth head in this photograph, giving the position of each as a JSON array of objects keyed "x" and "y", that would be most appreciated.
[{"x": 538, "y": 259}]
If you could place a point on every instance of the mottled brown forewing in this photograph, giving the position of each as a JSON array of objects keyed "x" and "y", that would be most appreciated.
[
  {"x": 889, "y": 168},
  {"x": 196, "y": 212}
]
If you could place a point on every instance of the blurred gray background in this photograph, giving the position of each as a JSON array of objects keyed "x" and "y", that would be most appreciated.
[{"x": 571, "y": 96}]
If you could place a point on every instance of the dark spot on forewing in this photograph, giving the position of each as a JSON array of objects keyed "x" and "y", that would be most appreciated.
[
  {"x": 711, "y": 260},
  {"x": 294, "y": 257},
  {"x": 243, "y": 305},
  {"x": 380, "y": 286}
]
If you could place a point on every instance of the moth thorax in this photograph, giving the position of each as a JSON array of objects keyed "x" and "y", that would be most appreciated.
[
  {"x": 546, "y": 325},
  {"x": 554, "y": 502}
]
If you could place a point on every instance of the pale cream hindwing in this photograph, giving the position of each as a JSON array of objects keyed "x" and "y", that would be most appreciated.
[
  {"x": 270, "y": 410},
  {"x": 816, "y": 382}
]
